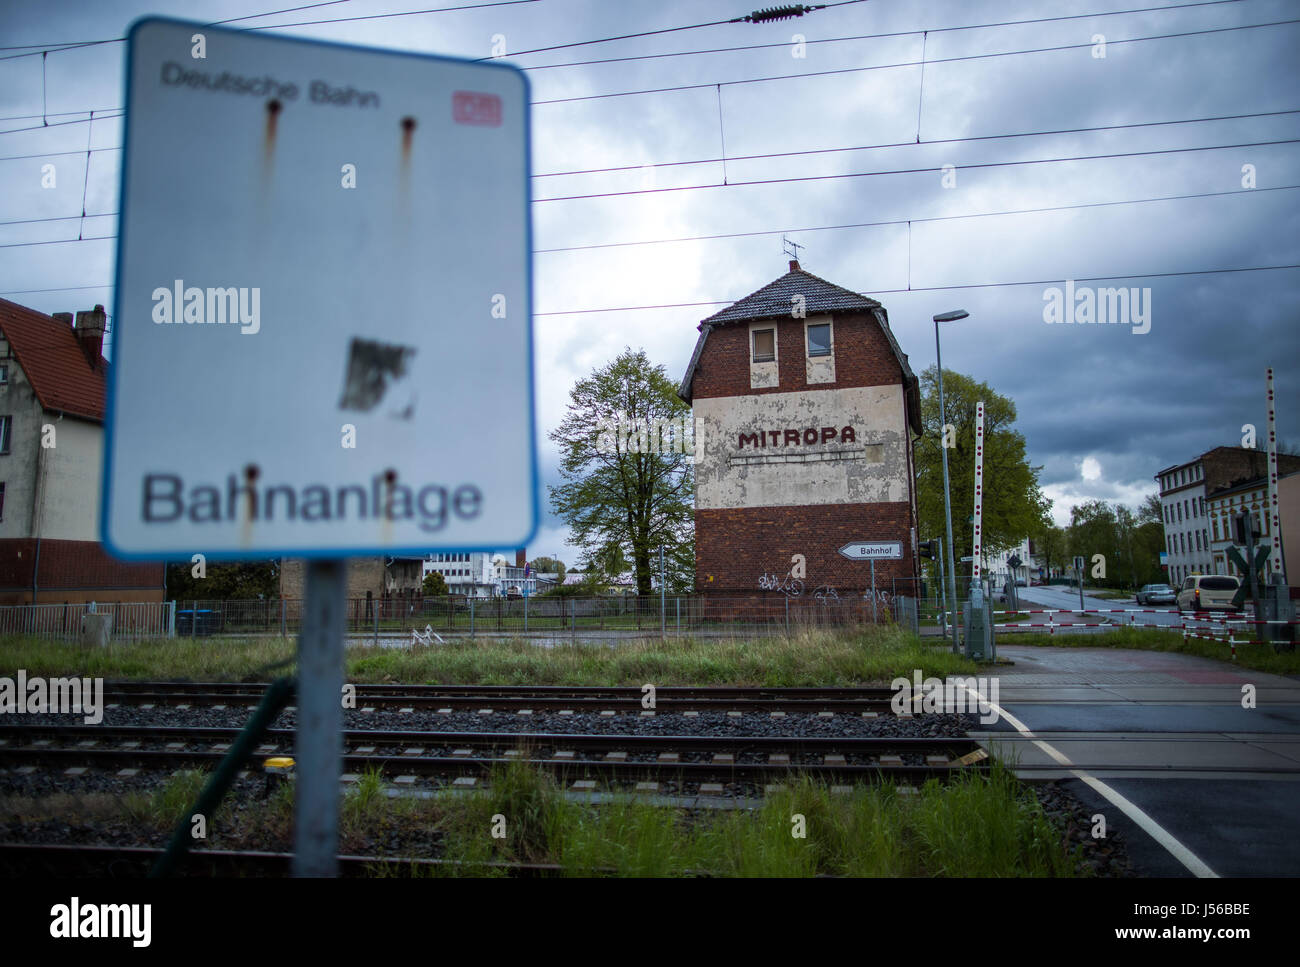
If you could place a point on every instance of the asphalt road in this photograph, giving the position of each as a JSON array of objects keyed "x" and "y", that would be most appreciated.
[
  {"x": 1057, "y": 596},
  {"x": 1196, "y": 762}
]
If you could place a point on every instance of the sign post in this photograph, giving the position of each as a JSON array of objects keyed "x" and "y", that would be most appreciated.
[
  {"x": 318, "y": 738},
  {"x": 873, "y": 590},
  {"x": 873, "y": 551},
  {"x": 301, "y": 282}
]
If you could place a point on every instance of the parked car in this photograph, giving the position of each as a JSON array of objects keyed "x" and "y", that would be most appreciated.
[
  {"x": 1157, "y": 594},
  {"x": 1208, "y": 592},
  {"x": 1020, "y": 583}
]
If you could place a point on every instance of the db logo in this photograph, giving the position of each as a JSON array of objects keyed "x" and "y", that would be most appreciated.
[{"x": 468, "y": 107}]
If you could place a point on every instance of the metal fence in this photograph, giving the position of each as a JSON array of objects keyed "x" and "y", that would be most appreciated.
[
  {"x": 544, "y": 617},
  {"x": 131, "y": 620}
]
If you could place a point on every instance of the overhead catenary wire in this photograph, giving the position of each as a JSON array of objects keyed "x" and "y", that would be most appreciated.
[
  {"x": 908, "y": 144},
  {"x": 114, "y": 40},
  {"x": 946, "y": 288},
  {"x": 912, "y": 171},
  {"x": 929, "y": 288},
  {"x": 847, "y": 70},
  {"x": 777, "y": 231},
  {"x": 911, "y": 63},
  {"x": 880, "y": 36},
  {"x": 59, "y": 48},
  {"x": 906, "y": 221},
  {"x": 793, "y": 154}
]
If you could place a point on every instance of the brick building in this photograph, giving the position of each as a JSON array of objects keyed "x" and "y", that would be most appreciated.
[
  {"x": 805, "y": 411},
  {"x": 368, "y": 577},
  {"x": 51, "y": 464}
]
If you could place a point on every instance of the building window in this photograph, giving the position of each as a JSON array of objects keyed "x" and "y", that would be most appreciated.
[
  {"x": 4, "y": 373},
  {"x": 6, "y": 426},
  {"x": 764, "y": 345},
  {"x": 2, "y": 501},
  {"x": 819, "y": 339}
]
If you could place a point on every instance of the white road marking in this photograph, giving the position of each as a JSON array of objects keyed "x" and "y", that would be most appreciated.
[{"x": 1195, "y": 865}]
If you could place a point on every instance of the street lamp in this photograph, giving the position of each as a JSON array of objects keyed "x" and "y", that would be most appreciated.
[{"x": 947, "y": 503}]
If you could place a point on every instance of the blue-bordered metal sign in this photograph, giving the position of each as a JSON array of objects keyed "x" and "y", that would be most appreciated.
[{"x": 322, "y": 341}]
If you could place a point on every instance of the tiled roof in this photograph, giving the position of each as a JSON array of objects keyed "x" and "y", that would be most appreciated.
[
  {"x": 775, "y": 299},
  {"x": 52, "y": 359}
]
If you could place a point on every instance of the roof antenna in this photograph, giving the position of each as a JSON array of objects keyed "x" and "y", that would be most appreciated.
[{"x": 787, "y": 245}]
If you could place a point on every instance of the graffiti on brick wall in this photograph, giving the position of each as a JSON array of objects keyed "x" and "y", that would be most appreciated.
[
  {"x": 882, "y": 596},
  {"x": 826, "y": 593},
  {"x": 789, "y": 585}
]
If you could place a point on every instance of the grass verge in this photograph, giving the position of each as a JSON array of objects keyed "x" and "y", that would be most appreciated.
[
  {"x": 802, "y": 830},
  {"x": 808, "y": 659},
  {"x": 1251, "y": 654}
]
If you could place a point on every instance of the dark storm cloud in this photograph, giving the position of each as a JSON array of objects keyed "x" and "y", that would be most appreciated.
[{"x": 1125, "y": 404}]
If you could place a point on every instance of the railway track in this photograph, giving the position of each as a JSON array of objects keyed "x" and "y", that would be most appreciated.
[
  {"x": 616, "y": 759},
  {"x": 515, "y": 698},
  {"x": 135, "y": 862}
]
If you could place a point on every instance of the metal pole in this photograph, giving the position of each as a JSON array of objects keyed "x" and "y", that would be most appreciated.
[
  {"x": 1277, "y": 563},
  {"x": 873, "y": 590},
  {"x": 678, "y": 604},
  {"x": 947, "y": 503},
  {"x": 787, "y": 617},
  {"x": 978, "y": 516},
  {"x": 318, "y": 739},
  {"x": 663, "y": 603},
  {"x": 374, "y": 613},
  {"x": 1248, "y": 519},
  {"x": 283, "y": 623},
  {"x": 471, "y": 615},
  {"x": 525, "y": 614},
  {"x": 943, "y": 594}
]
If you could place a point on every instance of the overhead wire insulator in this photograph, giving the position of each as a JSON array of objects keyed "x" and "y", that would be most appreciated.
[{"x": 779, "y": 13}]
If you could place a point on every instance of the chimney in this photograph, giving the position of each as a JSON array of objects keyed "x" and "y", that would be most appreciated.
[
  {"x": 521, "y": 557},
  {"x": 794, "y": 266},
  {"x": 89, "y": 330}
]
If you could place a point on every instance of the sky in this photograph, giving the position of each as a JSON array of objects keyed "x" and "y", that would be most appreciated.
[{"x": 837, "y": 128}]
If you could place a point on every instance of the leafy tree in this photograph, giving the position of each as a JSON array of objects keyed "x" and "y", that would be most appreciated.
[
  {"x": 618, "y": 492},
  {"x": 224, "y": 580},
  {"x": 1014, "y": 506},
  {"x": 549, "y": 565},
  {"x": 434, "y": 584},
  {"x": 1130, "y": 540},
  {"x": 1093, "y": 530},
  {"x": 1150, "y": 511},
  {"x": 1050, "y": 545}
]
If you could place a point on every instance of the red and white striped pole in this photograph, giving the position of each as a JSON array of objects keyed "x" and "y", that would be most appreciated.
[
  {"x": 1275, "y": 562},
  {"x": 979, "y": 493}
]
